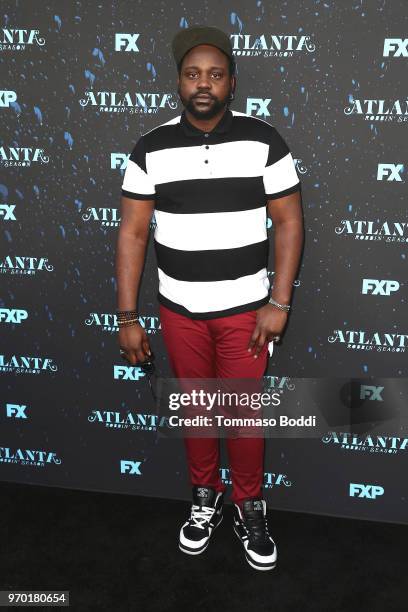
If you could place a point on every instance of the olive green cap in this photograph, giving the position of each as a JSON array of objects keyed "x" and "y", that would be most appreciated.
[{"x": 187, "y": 38}]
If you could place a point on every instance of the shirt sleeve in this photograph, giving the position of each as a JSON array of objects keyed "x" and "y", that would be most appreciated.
[
  {"x": 137, "y": 184},
  {"x": 280, "y": 176}
]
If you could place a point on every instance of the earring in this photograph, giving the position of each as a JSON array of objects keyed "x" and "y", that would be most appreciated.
[{"x": 232, "y": 96}]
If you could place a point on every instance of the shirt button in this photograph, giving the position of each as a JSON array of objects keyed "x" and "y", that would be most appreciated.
[
  {"x": 206, "y": 161},
  {"x": 207, "y": 147}
]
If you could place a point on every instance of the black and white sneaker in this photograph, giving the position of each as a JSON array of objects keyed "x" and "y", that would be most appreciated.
[
  {"x": 251, "y": 527},
  {"x": 206, "y": 515}
]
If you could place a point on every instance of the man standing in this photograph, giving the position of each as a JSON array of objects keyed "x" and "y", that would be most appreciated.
[{"x": 211, "y": 174}]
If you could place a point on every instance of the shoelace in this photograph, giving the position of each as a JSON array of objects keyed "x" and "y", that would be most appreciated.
[
  {"x": 258, "y": 528},
  {"x": 200, "y": 515}
]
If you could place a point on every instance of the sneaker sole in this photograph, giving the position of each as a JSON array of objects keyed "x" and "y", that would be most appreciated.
[
  {"x": 192, "y": 551},
  {"x": 251, "y": 562}
]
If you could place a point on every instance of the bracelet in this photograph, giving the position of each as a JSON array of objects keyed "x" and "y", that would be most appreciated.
[
  {"x": 127, "y": 322},
  {"x": 123, "y": 313},
  {"x": 285, "y": 307},
  {"x": 126, "y": 317}
]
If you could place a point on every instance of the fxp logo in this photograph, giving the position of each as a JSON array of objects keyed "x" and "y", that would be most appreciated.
[
  {"x": 124, "y": 372},
  {"x": 365, "y": 491},
  {"x": 374, "y": 286},
  {"x": 126, "y": 42},
  {"x": 7, "y": 98},
  {"x": 258, "y": 106},
  {"x": 13, "y": 315},
  {"x": 389, "y": 172}
]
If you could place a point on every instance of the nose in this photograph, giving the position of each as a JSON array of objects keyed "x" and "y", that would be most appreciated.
[{"x": 204, "y": 82}]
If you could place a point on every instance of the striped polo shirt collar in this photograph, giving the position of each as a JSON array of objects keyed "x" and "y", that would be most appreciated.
[{"x": 223, "y": 126}]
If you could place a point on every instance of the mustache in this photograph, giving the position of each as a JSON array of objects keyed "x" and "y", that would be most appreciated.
[{"x": 208, "y": 95}]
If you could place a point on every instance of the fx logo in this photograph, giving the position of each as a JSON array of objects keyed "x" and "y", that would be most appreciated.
[
  {"x": 127, "y": 372},
  {"x": 365, "y": 491},
  {"x": 401, "y": 46},
  {"x": 130, "y": 467},
  {"x": 374, "y": 286},
  {"x": 126, "y": 40},
  {"x": 16, "y": 411},
  {"x": 6, "y": 98},
  {"x": 259, "y": 105},
  {"x": 6, "y": 211},
  {"x": 370, "y": 392},
  {"x": 119, "y": 161},
  {"x": 389, "y": 171},
  {"x": 12, "y": 315}
]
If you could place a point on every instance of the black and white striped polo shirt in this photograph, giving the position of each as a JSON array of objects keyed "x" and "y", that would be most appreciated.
[{"x": 210, "y": 192}]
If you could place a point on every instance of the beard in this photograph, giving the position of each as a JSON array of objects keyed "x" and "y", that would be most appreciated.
[{"x": 211, "y": 111}]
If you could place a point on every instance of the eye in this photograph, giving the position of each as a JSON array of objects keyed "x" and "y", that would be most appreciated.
[{"x": 217, "y": 75}]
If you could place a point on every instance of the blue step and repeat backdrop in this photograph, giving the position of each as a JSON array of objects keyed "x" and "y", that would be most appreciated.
[{"x": 81, "y": 81}]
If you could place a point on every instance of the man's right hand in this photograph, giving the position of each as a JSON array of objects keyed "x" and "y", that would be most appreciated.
[{"x": 133, "y": 339}]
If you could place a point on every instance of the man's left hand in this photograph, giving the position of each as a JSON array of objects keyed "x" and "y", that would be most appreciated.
[{"x": 270, "y": 322}]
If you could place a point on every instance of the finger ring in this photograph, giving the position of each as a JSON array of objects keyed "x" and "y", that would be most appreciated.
[{"x": 122, "y": 352}]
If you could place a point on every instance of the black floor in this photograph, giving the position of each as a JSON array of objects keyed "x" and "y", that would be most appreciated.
[{"x": 120, "y": 552}]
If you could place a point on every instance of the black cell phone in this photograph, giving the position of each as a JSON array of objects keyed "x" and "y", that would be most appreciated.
[{"x": 148, "y": 364}]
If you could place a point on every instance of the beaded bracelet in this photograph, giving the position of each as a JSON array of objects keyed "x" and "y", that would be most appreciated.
[
  {"x": 127, "y": 322},
  {"x": 126, "y": 317},
  {"x": 125, "y": 312}
]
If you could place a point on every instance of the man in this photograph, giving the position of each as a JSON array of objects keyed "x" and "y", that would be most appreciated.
[{"x": 211, "y": 174}]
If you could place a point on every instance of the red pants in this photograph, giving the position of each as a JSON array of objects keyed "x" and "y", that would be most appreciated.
[{"x": 217, "y": 348}]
